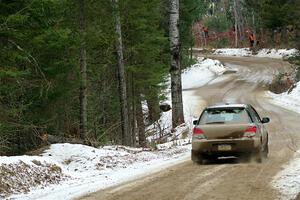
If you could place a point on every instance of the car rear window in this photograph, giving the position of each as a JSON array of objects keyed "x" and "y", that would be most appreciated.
[{"x": 224, "y": 115}]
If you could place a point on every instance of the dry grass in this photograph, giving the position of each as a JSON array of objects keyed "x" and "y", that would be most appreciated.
[
  {"x": 281, "y": 84},
  {"x": 21, "y": 177},
  {"x": 38, "y": 151}
]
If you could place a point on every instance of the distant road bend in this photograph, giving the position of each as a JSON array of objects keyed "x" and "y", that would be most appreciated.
[{"x": 227, "y": 179}]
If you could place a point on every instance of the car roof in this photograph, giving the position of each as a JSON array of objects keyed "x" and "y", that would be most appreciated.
[{"x": 228, "y": 105}]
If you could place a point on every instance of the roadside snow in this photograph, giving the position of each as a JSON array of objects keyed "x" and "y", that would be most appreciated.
[
  {"x": 277, "y": 53},
  {"x": 201, "y": 73},
  {"x": 233, "y": 52},
  {"x": 287, "y": 181},
  {"x": 262, "y": 53},
  {"x": 83, "y": 169},
  {"x": 288, "y": 101}
]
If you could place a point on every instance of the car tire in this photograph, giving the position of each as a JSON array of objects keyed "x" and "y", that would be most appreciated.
[
  {"x": 259, "y": 156},
  {"x": 266, "y": 151},
  {"x": 196, "y": 157}
]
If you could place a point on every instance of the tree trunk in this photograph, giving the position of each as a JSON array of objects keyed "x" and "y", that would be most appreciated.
[
  {"x": 126, "y": 136},
  {"x": 175, "y": 70},
  {"x": 132, "y": 108},
  {"x": 253, "y": 22},
  {"x": 284, "y": 37},
  {"x": 83, "y": 72},
  {"x": 153, "y": 108},
  {"x": 240, "y": 19},
  {"x": 140, "y": 122},
  {"x": 235, "y": 22}
]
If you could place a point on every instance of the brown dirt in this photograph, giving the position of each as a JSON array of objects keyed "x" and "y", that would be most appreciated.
[
  {"x": 38, "y": 151},
  {"x": 20, "y": 177},
  {"x": 225, "y": 179}
]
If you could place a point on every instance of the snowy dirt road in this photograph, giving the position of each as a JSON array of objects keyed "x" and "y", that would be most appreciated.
[{"x": 226, "y": 179}]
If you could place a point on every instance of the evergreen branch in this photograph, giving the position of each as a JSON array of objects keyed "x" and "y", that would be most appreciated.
[
  {"x": 18, "y": 12},
  {"x": 35, "y": 62}
]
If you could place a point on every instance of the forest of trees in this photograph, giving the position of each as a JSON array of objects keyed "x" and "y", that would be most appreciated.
[
  {"x": 275, "y": 23},
  {"x": 84, "y": 68},
  {"x": 79, "y": 68},
  {"x": 279, "y": 17}
]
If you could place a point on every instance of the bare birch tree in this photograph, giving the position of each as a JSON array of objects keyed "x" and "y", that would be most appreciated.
[
  {"x": 83, "y": 71},
  {"x": 126, "y": 136},
  {"x": 175, "y": 69}
]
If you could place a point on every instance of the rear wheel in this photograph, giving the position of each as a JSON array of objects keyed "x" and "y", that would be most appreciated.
[
  {"x": 196, "y": 157},
  {"x": 259, "y": 157},
  {"x": 263, "y": 153},
  {"x": 266, "y": 150}
]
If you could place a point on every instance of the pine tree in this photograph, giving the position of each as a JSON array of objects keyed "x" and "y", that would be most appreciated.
[
  {"x": 42, "y": 42},
  {"x": 35, "y": 71}
]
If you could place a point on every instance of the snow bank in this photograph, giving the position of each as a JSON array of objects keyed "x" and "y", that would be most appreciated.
[
  {"x": 277, "y": 53},
  {"x": 81, "y": 160},
  {"x": 290, "y": 101},
  {"x": 287, "y": 181},
  {"x": 233, "y": 52},
  {"x": 66, "y": 171},
  {"x": 262, "y": 53},
  {"x": 201, "y": 73},
  {"x": 195, "y": 76}
]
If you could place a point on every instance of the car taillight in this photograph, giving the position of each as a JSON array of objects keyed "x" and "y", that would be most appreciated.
[
  {"x": 197, "y": 131},
  {"x": 198, "y": 134},
  {"x": 250, "y": 131}
]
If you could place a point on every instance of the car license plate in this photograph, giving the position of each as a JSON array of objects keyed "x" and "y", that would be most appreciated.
[{"x": 224, "y": 147}]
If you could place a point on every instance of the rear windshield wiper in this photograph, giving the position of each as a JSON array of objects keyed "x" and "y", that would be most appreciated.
[{"x": 215, "y": 123}]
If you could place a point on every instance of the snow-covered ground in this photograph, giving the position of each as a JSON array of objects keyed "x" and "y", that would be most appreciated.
[
  {"x": 201, "y": 73},
  {"x": 78, "y": 169},
  {"x": 287, "y": 181},
  {"x": 277, "y": 53},
  {"x": 66, "y": 171},
  {"x": 290, "y": 101},
  {"x": 233, "y": 52},
  {"x": 266, "y": 53}
]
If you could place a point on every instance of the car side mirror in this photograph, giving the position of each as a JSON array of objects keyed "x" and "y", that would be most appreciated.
[
  {"x": 195, "y": 122},
  {"x": 265, "y": 120}
]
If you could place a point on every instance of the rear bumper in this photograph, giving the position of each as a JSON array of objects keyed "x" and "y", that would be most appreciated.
[{"x": 238, "y": 146}]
